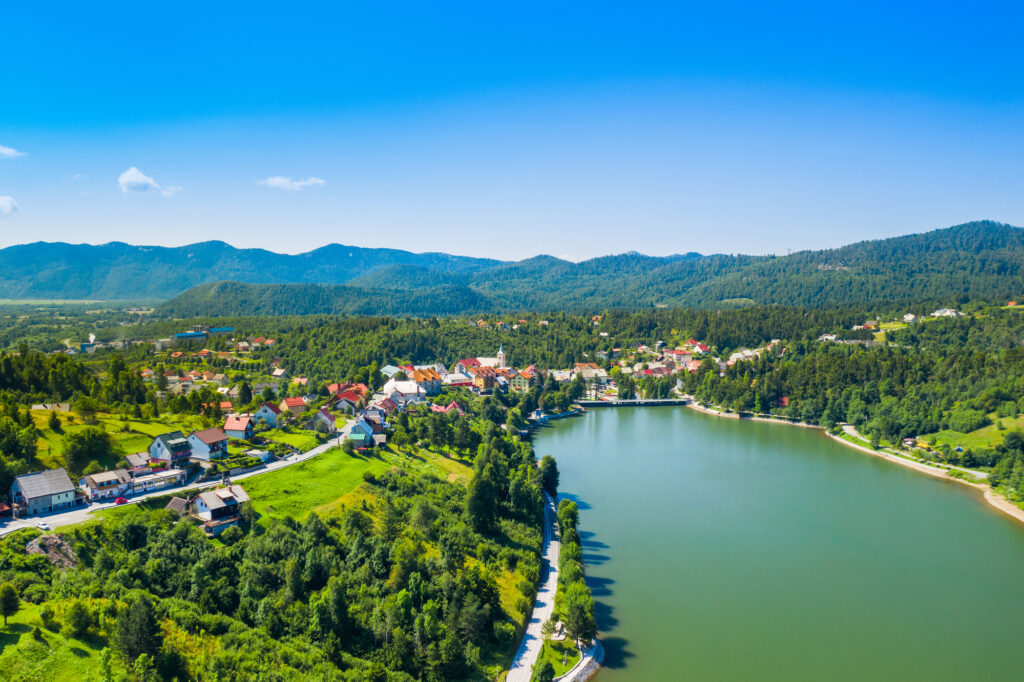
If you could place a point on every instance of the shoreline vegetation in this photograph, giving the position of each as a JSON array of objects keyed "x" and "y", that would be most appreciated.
[{"x": 993, "y": 499}]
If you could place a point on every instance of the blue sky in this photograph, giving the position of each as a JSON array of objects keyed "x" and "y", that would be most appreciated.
[{"x": 508, "y": 131}]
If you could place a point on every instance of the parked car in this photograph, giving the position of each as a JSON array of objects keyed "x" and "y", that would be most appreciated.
[
  {"x": 120, "y": 500},
  {"x": 42, "y": 525}
]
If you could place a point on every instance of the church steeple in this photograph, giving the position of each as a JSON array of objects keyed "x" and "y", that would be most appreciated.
[{"x": 501, "y": 356}]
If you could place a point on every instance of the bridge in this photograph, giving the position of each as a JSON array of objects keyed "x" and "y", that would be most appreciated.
[{"x": 633, "y": 402}]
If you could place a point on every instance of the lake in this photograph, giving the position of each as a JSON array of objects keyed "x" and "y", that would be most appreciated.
[{"x": 720, "y": 549}]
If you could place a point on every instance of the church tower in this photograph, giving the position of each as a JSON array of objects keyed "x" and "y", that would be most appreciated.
[{"x": 501, "y": 356}]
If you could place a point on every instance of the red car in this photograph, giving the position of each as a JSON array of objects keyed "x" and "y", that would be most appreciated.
[{"x": 120, "y": 500}]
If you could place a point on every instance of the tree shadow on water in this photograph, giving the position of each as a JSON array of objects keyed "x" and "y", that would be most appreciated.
[
  {"x": 599, "y": 587},
  {"x": 587, "y": 541},
  {"x": 616, "y": 652},
  {"x": 581, "y": 504}
]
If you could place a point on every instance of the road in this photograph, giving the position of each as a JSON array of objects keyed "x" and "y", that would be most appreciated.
[
  {"x": 544, "y": 606},
  {"x": 82, "y": 513},
  {"x": 851, "y": 430}
]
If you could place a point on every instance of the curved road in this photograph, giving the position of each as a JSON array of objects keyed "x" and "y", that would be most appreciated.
[{"x": 544, "y": 606}]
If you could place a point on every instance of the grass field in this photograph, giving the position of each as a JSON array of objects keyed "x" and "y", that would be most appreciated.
[
  {"x": 50, "y": 657},
  {"x": 128, "y": 435},
  {"x": 985, "y": 437},
  {"x": 302, "y": 440}
]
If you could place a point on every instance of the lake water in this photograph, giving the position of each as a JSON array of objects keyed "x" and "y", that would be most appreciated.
[{"x": 728, "y": 550}]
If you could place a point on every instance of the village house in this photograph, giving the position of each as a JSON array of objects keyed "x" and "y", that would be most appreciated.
[
  {"x": 268, "y": 414},
  {"x": 279, "y": 373},
  {"x": 947, "y": 312},
  {"x": 43, "y": 492},
  {"x": 137, "y": 463},
  {"x": 293, "y": 406},
  {"x": 484, "y": 378},
  {"x": 324, "y": 420},
  {"x": 158, "y": 480},
  {"x": 348, "y": 401},
  {"x": 239, "y": 426},
  {"x": 457, "y": 379},
  {"x": 219, "y": 509},
  {"x": 428, "y": 379},
  {"x": 389, "y": 371},
  {"x": 445, "y": 409},
  {"x": 172, "y": 448},
  {"x": 208, "y": 444},
  {"x": 463, "y": 366},
  {"x": 106, "y": 485}
]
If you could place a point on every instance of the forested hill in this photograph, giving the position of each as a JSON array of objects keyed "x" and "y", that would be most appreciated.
[
  {"x": 123, "y": 271},
  {"x": 975, "y": 261}
]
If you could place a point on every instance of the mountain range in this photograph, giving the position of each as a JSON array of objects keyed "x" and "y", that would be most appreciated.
[{"x": 980, "y": 260}]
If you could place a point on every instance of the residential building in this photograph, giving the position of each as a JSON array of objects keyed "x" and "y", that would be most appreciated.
[
  {"x": 268, "y": 414},
  {"x": 137, "y": 463},
  {"x": 219, "y": 509},
  {"x": 208, "y": 444},
  {"x": 294, "y": 406},
  {"x": 428, "y": 379},
  {"x": 239, "y": 426},
  {"x": 171, "y": 448},
  {"x": 158, "y": 480},
  {"x": 325, "y": 420},
  {"x": 106, "y": 485},
  {"x": 43, "y": 492}
]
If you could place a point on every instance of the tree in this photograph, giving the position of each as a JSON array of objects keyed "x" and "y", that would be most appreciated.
[
  {"x": 137, "y": 631},
  {"x": 54, "y": 421},
  {"x": 9, "y": 601},
  {"x": 86, "y": 408},
  {"x": 78, "y": 618},
  {"x": 579, "y": 612},
  {"x": 544, "y": 671},
  {"x": 549, "y": 475},
  {"x": 85, "y": 445},
  {"x": 245, "y": 393}
]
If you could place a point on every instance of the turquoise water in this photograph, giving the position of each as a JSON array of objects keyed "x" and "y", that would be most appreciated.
[{"x": 728, "y": 550}]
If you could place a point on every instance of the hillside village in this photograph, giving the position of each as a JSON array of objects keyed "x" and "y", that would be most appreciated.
[{"x": 251, "y": 417}]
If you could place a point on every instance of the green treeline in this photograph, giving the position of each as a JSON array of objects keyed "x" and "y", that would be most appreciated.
[{"x": 402, "y": 585}]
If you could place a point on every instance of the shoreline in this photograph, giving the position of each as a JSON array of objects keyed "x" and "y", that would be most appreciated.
[{"x": 997, "y": 502}]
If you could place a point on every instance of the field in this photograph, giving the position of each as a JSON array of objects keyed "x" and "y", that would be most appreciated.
[
  {"x": 135, "y": 435},
  {"x": 51, "y": 656},
  {"x": 985, "y": 437}
]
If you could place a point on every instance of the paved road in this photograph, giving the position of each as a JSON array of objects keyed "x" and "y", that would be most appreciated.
[
  {"x": 544, "y": 606},
  {"x": 82, "y": 513},
  {"x": 850, "y": 429}
]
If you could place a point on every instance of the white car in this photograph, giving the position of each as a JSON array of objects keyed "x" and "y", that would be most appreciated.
[{"x": 42, "y": 525}]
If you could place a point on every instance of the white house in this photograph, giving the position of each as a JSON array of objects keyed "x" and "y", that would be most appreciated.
[
  {"x": 219, "y": 509},
  {"x": 208, "y": 444},
  {"x": 106, "y": 485}
]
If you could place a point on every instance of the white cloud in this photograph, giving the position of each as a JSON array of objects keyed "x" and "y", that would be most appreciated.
[
  {"x": 10, "y": 153},
  {"x": 134, "y": 180},
  {"x": 281, "y": 182},
  {"x": 7, "y": 206}
]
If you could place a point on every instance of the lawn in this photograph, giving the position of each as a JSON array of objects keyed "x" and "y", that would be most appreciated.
[
  {"x": 128, "y": 435},
  {"x": 985, "y": 437},
  {"x": 23, "y": 657},
  {"x": 303, "y": 440},
  {"x": 295, "y": 490},
  {"x": 557, "y": 652}
]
